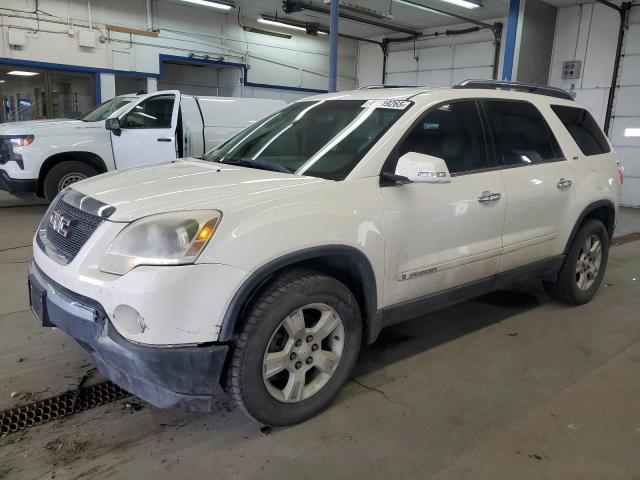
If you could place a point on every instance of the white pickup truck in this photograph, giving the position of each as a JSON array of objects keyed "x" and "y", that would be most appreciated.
[{"x": 43, "y": 157}]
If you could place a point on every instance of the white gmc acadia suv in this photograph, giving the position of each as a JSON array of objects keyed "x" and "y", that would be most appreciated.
[{"x": 262, "y": 269}]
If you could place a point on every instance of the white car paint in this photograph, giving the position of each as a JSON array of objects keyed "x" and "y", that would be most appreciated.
[
  {"x": 400, "y": 230},
  {"x": 206, "y": 121}
]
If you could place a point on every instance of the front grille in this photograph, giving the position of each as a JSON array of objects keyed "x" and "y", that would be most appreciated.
[{"x": 81, "y": 226}]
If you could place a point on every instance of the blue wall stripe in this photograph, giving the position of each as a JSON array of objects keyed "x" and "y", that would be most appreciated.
[{"x": 510, "y": 47}]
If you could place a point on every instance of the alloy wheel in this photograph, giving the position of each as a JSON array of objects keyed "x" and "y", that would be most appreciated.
[
  {"x": 589, "y": 261},
  {"x": 303, "y": 353}
]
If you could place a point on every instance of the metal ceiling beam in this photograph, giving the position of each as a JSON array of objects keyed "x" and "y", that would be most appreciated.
[{"x": 290, "y": 6}]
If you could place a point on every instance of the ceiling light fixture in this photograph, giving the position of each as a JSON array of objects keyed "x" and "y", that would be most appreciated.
[
  {"x": 280, "y": 24},
  {"x": 21, "y": 73},
  {"x": 460, "y": 3},
  {"x": 419, "y": 7},
  {"x": 309, "y": 28},
  {"x": 219, "y": 4},
  {"x": 266, "y": 32}
]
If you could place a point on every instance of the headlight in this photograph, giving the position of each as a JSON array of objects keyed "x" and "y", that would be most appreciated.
[
  {"x": 175, "y": 238},
  {"x": 21, "y": 140}
]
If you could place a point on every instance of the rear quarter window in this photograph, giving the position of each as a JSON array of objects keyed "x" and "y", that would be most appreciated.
[{"x": 583, "y": 129}]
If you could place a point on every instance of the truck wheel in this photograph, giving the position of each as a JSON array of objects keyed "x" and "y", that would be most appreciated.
[
  {"x": 64, "y": 174},
  {"x": 584, "y": 266},
  {"x": 297, "y": 347}
]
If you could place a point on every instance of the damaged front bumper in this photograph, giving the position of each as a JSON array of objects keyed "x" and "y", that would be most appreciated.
[{"x": 164, "y": 376}]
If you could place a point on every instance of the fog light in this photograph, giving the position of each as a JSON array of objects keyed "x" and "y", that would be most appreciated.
[{"x": 128, "y": 320}]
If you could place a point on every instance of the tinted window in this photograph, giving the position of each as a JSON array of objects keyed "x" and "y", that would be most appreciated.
[
  {"x": 453, "y": 132},
  {"x": 521, "y": 135},
  {"x": 583, "y": 128},
  {"x": 155, "y": 112}
]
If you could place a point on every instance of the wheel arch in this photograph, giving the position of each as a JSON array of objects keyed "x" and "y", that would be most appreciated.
[
  {"x": 87, "y": 157},
  {"x": 347, "y": 264},
  {"x": 603, "y": 210}
]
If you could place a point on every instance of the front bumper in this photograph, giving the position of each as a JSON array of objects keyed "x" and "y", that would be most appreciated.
[
  {"x": 164, "y": 376},
  {"x": 17, "y": 186}
]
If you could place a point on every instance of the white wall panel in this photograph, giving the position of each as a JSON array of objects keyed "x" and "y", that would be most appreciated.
[
  {"x": 630, "y": 158},
  {"x": 632, "y": 41},
  {"x": 620, "y": 135},
  {"x": 628, "y": 101},
  {"x": 435, "y": 58},
  {"x": 403, "y": 61},
  {"x": 460, "y": 74},
  {"x": 370, "y": 61},
  {"x": 630, "y": 74},
  {"x": 473, "y": 55},
  {"x": 435, "y": 78},
  {"x": 630, "y": 192},
  {"x": 403, "y": 78}
]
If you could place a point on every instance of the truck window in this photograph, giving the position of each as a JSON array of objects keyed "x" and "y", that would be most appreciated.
[
  {"x": 453, "y": 132},
  {"x": 583, "y": 129},
  {"x": 520, "y": 133},
  {"x": 154, "y": 112},
  {"x": 106, "y": 109}
]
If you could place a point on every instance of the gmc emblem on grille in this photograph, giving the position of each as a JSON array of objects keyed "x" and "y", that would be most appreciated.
[{"x": 59, "y": 223}]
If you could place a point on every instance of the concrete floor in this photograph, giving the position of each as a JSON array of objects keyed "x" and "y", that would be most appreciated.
[{"x": 510, "y": 385}]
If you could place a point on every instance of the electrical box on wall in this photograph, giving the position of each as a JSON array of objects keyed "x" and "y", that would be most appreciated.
[
  {"x": 571, "y": 69},
  {"x": 86, "y": 38},
  {"x": 17, "y": 38}
]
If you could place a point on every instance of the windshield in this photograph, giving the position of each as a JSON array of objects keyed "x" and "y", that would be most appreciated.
[
  {"x": 325, "y": 138},
  {"x": 105, "y": 110}
]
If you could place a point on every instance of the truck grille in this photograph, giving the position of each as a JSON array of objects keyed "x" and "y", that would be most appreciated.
[{"x": 65, "y": 229}]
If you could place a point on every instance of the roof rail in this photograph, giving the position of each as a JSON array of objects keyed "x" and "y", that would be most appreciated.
[
  {"x": 375, "y": 87},
  {"x": 517, "y": 86}
]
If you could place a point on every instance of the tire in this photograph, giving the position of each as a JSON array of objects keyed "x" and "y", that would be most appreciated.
[
  {"x": 64, "y": 174},
  {"x": 279, "y": 400},
  {"x": 571, "y": 286}
]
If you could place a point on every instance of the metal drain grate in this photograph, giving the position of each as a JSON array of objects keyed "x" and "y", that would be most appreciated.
[{"x": 63, "y": 405}]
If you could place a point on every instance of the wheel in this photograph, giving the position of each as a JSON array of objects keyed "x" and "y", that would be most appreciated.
[
  {"x": 64, "y": 174},
  {"x": 584, "y": 266},
  {"x": 299, "y": 342}
]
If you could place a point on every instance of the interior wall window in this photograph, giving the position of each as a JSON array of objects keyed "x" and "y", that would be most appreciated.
[
  {"x": 520, "y": 133},
  {"x": 583, "y": 128},
  {"x": 155, "y": 112},
  {"x": 452, "y": 132}
]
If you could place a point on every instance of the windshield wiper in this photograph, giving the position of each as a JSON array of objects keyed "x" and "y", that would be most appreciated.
[{"x": 251, "y": 163}]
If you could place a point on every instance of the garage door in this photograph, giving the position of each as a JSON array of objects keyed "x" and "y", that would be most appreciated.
[
  {"x": 625, "y": 131},
  {"x": 440, "y": 66}
]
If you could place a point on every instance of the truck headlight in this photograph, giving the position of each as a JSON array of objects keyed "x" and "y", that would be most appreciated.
[
  {"x": 21, "y": 140},
  {"x": 175, "y": 238}
]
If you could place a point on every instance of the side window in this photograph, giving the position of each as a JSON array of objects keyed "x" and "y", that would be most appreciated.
[
  {"x": 155, "y": 112},
  {"x": 520, "y": 133},
  {"x": 452, "y": 132},
  {"x": 583, "y": 128}
]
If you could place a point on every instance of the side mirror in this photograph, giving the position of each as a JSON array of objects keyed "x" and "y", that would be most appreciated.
[
  {"x": 113, "y": 124},
  {"x": 416, "y": 167}
]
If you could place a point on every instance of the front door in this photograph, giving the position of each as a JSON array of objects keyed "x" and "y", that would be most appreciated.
[
  {"x": 444, "y": 235},
  {"x": 148, "y": 131}
]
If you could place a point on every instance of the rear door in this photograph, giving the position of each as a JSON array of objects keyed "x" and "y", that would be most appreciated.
[
  {"x": 538, "y": 180},
  {"x": 148, "y": 131}
]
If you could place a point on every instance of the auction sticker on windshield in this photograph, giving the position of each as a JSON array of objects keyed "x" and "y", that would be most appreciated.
[{"x": 391, "y": 104}]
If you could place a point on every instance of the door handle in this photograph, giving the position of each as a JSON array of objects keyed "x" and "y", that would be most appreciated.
[
  {"x": 488, "y": 196},
  {"x": 165, "y": 139},
  {"x": 564, "y": 183}
]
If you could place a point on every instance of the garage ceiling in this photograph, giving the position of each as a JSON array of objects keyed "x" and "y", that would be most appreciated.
[{"x": 403, "y": 15}]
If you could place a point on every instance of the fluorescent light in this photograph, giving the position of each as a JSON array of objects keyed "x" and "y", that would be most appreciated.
[
  {"x": 280, "y": 24},
  {"x": 419, "y": 7},
  {"x": 207, "y": 3},
  {"x": 21, "y": 73},
  {"x": 632, "y": 132},
  {"x": 459, "y": 3}
]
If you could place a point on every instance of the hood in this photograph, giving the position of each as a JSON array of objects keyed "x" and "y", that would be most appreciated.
[
  {"x": 34, "y": 127},
  {"x": 189, "y": 184}
]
